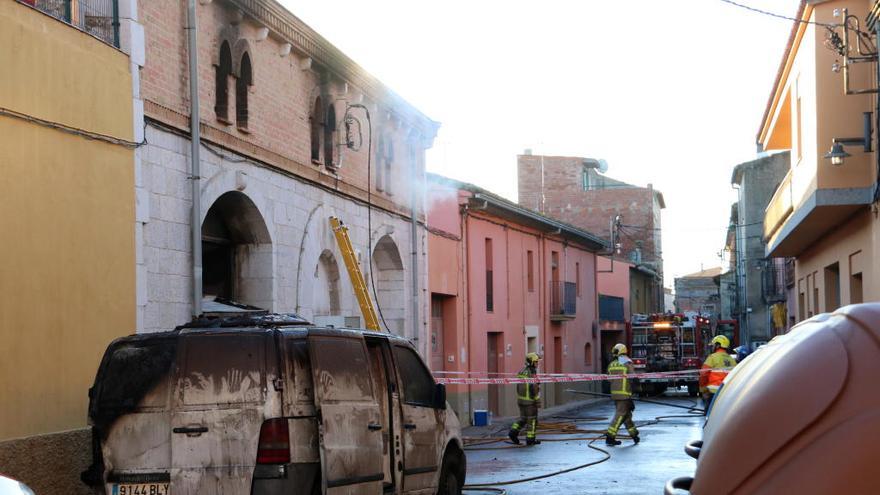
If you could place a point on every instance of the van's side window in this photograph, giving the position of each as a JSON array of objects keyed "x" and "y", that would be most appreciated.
[
  {"x": 342, "y": 372},
  {"x": 418, "y": 384},
  {"x": 223, "y": 369}
]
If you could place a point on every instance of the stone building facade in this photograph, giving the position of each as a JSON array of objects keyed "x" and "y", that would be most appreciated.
[
  {"x": 699, "y": 292},
  {"x": 574, "y": 190},
  {"x": 761, "y": 285},
  {"x": 292, "y": 132}
]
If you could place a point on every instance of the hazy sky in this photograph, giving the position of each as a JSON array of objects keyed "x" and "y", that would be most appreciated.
[{"x": 668, "y": 92}]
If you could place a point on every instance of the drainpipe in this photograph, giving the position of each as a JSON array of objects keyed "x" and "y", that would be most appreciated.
[
  {"x": 195, "y": 177},
  {"x": 414, "y": 251}
]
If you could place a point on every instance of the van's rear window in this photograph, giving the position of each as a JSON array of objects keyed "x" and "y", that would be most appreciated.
[{"x": 137, "y": 375}]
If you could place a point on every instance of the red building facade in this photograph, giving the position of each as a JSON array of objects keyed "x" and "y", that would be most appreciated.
[{"x": 505, "y": 281}]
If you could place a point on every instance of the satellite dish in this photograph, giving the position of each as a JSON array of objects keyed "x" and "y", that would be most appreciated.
[{"x": 603, "y": 166}]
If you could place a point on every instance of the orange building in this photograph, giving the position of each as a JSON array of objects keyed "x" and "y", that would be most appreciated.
[{"x": 824, "y": 211}]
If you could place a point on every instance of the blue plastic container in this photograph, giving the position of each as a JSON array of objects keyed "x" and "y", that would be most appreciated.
[{"x": 481, "y": 417}]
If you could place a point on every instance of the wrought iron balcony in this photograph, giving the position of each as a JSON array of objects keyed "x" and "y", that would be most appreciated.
[
  {"x": 774, "y": 280},
  {"x": 100, "y": 18},
  {"x": 563, "y": 301}
]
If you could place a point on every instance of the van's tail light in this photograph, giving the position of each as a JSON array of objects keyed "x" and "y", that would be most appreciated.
[
  {"x": 639, "y": 362},
  {"x": 274, "y": 447}
]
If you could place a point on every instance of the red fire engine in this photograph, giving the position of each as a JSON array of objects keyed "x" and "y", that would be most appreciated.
[{"x": 668, "y": 342}]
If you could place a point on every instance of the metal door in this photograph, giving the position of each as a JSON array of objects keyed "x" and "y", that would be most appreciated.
[
  {"x": 350, "y": 424},
  {"x": 436, "y": 333},
  {"x": 492, "y": 364}
]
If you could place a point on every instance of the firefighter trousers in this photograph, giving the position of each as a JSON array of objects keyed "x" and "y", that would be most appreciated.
[
  {"x": 623, "y": 416},
  {"x": 528, "y": 419}
]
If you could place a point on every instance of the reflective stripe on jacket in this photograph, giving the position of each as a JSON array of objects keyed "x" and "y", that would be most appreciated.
[
  {"x": 620, "y": 389},
  {"x": 528, "y": 393},
  {"x": 719, "y": 364}
]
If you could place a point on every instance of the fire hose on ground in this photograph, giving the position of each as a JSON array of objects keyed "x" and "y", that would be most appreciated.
[{"x": 567, "y": 428}]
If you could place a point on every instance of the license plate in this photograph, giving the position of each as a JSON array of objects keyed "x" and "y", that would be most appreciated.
[{"x": 140, "y": 489}]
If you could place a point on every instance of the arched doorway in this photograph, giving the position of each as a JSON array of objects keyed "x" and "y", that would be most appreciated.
[
  {"x": 325, "y": 295},
  {"x": 389, "y": 279},
  {"x": 237, "y": 252}
]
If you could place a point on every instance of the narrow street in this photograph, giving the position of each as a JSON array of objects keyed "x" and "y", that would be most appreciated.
[
  {"x": 642, "y": 468},
  {"x": 270, "y": 247}
]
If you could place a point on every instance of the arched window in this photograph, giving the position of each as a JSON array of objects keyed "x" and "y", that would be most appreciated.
[
  {"x": 380, "y": 155},
  {"x": 390, "y": 281},
  {"x": 315, "y": 124},
  {"x": 329, "y": 136},
  {"x": 223, "y": 71},
  {"x": 384, "y": 159},
  {"x": 237, "y": 252},
  {"x": 245, "y": 79}
]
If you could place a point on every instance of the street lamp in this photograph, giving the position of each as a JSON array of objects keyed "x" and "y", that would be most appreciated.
[{"x": 837, "y": 154}]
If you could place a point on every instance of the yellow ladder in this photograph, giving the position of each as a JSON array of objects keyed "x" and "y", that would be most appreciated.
[{"x": 371, "y": 320}]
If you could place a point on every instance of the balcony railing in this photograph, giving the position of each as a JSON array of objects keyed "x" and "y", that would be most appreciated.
[
  {"x": 611, "y": 308},
  {"x": 779, "y": 208},
  {"x": 563, "y": 300},
  {"x": 773, "y": 281},
  {"x": 100, "y": 18}
]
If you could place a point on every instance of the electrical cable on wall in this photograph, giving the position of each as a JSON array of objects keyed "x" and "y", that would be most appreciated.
[
  {"x": 351, "y": 145},
  {"x": 6, "y": 112}
]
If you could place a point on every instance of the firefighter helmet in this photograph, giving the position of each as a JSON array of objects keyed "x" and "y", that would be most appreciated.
[
  {"x": 618, "y": 349},
  {"x": 532, "y": 359},
  {"x": 722, "y": 341}
]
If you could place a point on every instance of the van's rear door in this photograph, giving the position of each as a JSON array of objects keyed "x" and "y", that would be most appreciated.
[
  {"x": 218, "y": 411},
  {"x": 350, "y": 424},
  {"x": 130, "y": 413}
]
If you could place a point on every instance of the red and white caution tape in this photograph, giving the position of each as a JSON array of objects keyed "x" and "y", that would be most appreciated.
[{"x": 554, "y": 377}]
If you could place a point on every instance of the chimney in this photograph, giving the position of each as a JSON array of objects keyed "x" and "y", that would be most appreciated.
[{"x": 527, "y": 152}]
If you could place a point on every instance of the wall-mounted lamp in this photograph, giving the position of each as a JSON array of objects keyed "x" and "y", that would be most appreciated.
[{"x": 837, "y": 154}]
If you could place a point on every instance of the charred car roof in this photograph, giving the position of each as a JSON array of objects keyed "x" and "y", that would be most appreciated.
[{"x": 289, "y": 323}]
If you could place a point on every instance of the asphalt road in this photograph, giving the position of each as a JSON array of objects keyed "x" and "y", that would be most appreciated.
[{"x": 631, "y": 469}]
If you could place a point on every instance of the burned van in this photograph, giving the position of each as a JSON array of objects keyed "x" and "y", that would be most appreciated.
[{"x": 268, "y": 405}]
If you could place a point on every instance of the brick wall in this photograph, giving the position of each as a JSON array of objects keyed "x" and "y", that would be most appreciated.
[
  {"x": 560, "y": 194},
  {"x": 279, "y": 101}
]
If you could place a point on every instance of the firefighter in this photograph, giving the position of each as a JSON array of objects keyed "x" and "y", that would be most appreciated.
[
  {"x": 621, "y": 394},
  {"x": 715, "y": 369},
  {"x": 528, "y": 398}
]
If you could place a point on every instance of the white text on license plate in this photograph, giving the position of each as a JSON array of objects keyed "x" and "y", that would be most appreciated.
[{"x": 140, "y": 489}]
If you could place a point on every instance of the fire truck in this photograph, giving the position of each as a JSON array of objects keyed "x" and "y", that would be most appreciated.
[{"x": 668, "y": 342}]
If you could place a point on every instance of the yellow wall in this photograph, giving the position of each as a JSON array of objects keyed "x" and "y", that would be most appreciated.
[{"x": 67, "y": 267}]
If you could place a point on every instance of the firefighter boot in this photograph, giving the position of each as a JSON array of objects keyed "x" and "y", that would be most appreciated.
[
  {"x": 634, "y": 434},
  {"x": 514, "y": 436},
  {"x": 611, "y": 441},
  {"x": 532, "y": 441}
]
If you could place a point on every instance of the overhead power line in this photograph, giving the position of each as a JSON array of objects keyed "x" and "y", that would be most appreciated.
[{"x": 778, "y": 16}]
